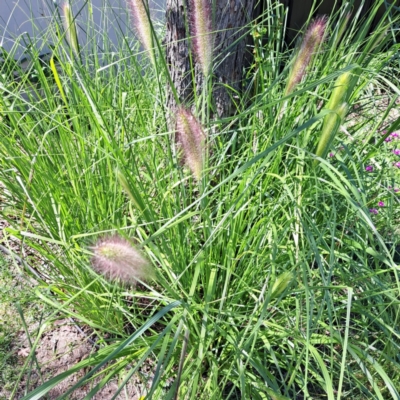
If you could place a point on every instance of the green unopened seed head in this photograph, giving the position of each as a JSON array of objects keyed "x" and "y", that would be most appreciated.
[
  {"x": 340, "y": 90},
  {"x": 281, "y": 283},
  {"x": 331, "y": 125},
  {"x": 70, "y": 27}
]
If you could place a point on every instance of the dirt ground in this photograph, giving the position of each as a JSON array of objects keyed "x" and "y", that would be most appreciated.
[{"x": 59, "y": 348}]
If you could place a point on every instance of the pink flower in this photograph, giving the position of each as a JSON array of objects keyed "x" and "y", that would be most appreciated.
[
  {"x": 396, "y": 152},
  {"x": 396, "y": 190},
  {"x": 381, "y": 204},
  {"x": 369, "y": 168},
  {"x": 373, "y": 211},
  {"x": 331, "y": 155},
  {"x": 397, "y": 164},
  {"x": 395, "y": 134},
  {"x": 388, "y": 139}
]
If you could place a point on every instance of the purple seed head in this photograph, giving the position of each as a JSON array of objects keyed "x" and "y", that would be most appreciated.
[
  {"x": 373, "y": 211},
  {"x": 312, "y": 40},
  {"x": 192, "y": 139},
  {"x": 369, "y": 168},
  {"x": 201, "y": 30},
  {"x": 140, "y": 19},
  {"x": 381, "y": 204},
  {"x": 116, "y": 259}
]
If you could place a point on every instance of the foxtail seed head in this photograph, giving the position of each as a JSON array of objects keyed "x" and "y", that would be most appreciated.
[
  {"x": 313, "y": 38},
  {"x": 70, "y": 27},
  {"x": 192, "y": 139},
  {"x": 140, "y": 18},
  {"x": 200, "y": 20},
  {"x": 116, "y": 259}
]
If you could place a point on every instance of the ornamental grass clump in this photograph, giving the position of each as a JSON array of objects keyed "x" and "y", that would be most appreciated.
[
  {"x": 141, "y": 20},
  {"x": 118, "y": 260},
  {"x": 70, "y": 28},
  {"x": 192, "y": 139},
  {"x": 311, "y": 42},
  {"x": 200, "y": 20}
]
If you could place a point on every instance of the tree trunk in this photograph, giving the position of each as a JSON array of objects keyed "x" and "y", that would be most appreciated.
[{"x": 231, "y": 19}]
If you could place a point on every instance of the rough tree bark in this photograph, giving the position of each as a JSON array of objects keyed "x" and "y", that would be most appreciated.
[{"x": 231, "y": 18}]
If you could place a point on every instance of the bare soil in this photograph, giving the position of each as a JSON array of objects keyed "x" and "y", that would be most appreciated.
[{"x": 59, "y": 348}]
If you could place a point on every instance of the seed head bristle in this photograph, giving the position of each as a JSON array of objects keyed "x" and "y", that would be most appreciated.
[
  {"x": 310, "y": 44},
  {"x": 117, "y": 259},
  {"x": 192, "y": 139},
  {"x": 140, "y": 18},
  {"x": 200, "y": 22}
]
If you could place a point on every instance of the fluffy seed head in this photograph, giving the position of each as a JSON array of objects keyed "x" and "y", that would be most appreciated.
[
  {"x": 70, "y": 27},
  {"x": 312, "y": 40},
  {"x": 192, "y": 139},
  {"x": 200, "y": 21},
  {"x": 116, "y": 259},
  {"x": 140, "y": 18}
]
